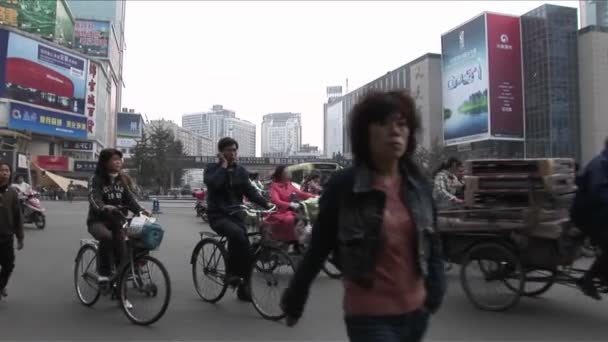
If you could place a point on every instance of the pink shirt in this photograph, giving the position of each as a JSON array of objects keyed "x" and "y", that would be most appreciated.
[{"x": 398, "y": 285}]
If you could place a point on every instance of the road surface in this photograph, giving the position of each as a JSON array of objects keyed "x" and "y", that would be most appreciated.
[{"x": 42, "y": 304}]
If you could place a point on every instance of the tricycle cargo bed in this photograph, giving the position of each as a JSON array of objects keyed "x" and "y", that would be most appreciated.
[{"x": 531, "y": 167}]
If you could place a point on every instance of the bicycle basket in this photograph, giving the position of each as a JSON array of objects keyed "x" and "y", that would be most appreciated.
[{"x": 150, "y": 235}]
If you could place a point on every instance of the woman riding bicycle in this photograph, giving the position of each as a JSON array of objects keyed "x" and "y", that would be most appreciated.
[
  {"x": 285, "y": 196},
  {"x": 109, "y": 197}
]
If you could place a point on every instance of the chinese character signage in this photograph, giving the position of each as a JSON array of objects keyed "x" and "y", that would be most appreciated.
[
  {"x": 129, "y": 125},
  {"x": 77, "y": 145},
  {"x": 45, "y": 76},
  {"x": 91, "y": 37},
  {"x": 465, "y": 83},
  {"x": 42, "y": 121},
  {"x": 84, "y": 166},
  {"x": 91, "y": 103},
  {"x": 506, "y": 90}
]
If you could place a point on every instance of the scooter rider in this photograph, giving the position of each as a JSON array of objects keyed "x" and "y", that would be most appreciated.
[{"x": 227, "y": 183}]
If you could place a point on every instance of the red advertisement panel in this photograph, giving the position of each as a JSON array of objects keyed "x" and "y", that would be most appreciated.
[
  {"x": 505, "y": 72},
  {"x": 53, "y": 163}
]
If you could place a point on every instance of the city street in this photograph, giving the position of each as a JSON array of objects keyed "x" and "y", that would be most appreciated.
[{"x": 42, "y": 304}]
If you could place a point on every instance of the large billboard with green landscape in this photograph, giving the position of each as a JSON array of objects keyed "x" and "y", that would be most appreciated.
[
  {"x": 47, "y": 18},
  {"x": 465, "y": 83}
]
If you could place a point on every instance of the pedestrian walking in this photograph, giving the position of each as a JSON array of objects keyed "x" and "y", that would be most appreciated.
[
  {"x": 11, "y": 225},
  {"x": 378, "y": 220}
]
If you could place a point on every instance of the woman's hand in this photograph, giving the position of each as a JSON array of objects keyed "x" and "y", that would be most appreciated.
[
  {"x": 294, "y": 205},
  {"x": 146, "y": 213}
]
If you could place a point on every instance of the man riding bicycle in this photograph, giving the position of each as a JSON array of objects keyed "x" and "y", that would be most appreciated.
[
  {"x": 109, "y": 193},
  {"x": 227, "y": 183}
]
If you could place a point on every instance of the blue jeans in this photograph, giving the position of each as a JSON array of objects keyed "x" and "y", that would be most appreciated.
[{"x": 410, "y": 327}]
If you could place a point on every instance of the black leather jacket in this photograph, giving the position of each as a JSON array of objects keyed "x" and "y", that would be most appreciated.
[
  {"x": 226, "y": 188},
  {"x": 350, "y": 226}
]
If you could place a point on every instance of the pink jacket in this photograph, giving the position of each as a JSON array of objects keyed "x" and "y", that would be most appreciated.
[{"x": 280, "y": 195}]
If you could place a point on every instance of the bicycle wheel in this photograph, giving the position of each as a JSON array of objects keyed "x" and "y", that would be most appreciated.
[
  {"x": 492, "y": 277},
  {"x": 145, "y": 290},
  {"x": 209, "y": 270},
  {"x": 85, "y": 275},
  {"x": 272, "y": 270},
  {"x": 537, "y": 282}
]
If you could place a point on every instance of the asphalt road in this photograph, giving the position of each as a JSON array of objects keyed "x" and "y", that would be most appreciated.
[{"x": 42, "y": 304}]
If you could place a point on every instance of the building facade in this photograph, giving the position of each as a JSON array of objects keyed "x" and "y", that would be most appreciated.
[
  {"x": 100, "y": 33},
  {"x": 193, "y": 143},
  {"x": 594, "y": 13},
  {"x": 421, "y": 78},
  {"x": 218, "y": 123},
  {"x": 550, "y": 56},
  {"x": 593, "y": 81},
  {"x": 281, "y": 134}
]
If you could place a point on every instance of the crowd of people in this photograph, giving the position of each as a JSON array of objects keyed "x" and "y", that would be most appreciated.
[{"x": 376, "y": 219}]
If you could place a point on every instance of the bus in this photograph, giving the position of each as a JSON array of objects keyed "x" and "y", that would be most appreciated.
[{"x": 300, "y": 172}]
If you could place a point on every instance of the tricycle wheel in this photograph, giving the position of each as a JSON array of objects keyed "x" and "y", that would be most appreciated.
[
  {"x": 486, "y": 270},
  {"x": 537, "y": 282}
]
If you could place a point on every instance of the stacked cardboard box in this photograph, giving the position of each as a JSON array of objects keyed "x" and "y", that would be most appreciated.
[{"x": 511, "y": 194}]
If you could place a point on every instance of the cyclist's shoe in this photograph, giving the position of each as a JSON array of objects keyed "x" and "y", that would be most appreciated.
[
  {"x": 3, "y": 293},
  {"x": 128, "y": 304},
  {"x": 589, "y": 288},
  {"x": 233, "y": 281},
  {"x": 103, "y": 279},
  {"x": 244, "y": 293}
]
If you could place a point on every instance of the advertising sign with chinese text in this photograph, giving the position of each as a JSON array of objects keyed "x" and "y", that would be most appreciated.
[
  {"x": 91, "y": 37},
  {"x": 84, "y": 166},
  {"x": 465, "y": 83},
  {"x": 91, "y": 103},
  {"x": 506, "y": 91},
  {"x": 42, "y": 121},
  {"x": 129, "y": 125},
  {"x": 77, "y": 145},
  {"x": 39, "y": 74}
]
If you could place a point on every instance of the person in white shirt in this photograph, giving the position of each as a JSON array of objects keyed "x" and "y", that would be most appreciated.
[{"x": 21, "y": 186}]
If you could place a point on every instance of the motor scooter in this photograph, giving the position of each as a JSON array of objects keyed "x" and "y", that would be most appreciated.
[{"x": 33, "y": 211}]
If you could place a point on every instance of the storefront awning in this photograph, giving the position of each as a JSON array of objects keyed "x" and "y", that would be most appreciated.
[{"x": 51, "y": 179}]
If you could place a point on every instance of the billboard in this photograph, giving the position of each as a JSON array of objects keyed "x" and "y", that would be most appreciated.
[
  {"x": 84, "y": 166},
  {"x": 91, "y": 37},
  {"x": 39, "y": 74},
  {"x": 54, "y": 163},
  {"x": 506, "y": 89},
  {"x": 129, "y": 125},
  {"x": 47, "y": 122},
  {"x": 465, "y": 83},
  {"x": 92, "y": 97},
  {"x": 47, "y": 18}
]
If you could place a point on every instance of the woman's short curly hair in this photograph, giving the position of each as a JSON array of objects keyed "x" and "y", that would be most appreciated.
[{"x": 376, "y": 107}]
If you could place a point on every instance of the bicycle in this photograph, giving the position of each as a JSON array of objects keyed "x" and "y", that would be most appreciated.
[
  {"x": 267, "y": 265},
  {"x": 134, "y": 274}
]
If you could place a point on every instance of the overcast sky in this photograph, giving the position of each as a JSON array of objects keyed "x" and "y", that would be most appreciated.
[{"x": 278, "y": 56}]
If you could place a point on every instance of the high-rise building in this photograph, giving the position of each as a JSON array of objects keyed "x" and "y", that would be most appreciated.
[
  {"x": 281, "y": 134},
  {"x": 218, "y": 123},
  {"x": 549, "y": 38},
  {"x": 593, "y": 82},
  {"x": 242, "y": 131},
  {"x": 194, "y": 144},
  {"x": 100, "y": 32},
  {"x": 421, "y": 78},
  {"x": 594, "y": 13}
]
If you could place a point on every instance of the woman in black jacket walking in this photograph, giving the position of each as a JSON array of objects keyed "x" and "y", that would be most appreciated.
[
  {"x": 378, "y": 218},
  {"x": 109, "y": 192}
]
